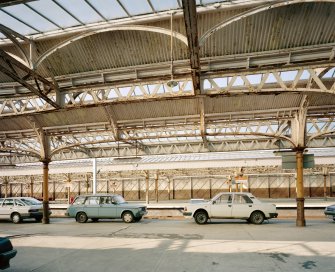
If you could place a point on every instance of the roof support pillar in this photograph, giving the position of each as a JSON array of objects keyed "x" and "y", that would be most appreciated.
[
  {"x": 45, "y": 159},
  {"x": 45, "y": 219},
  {"x": 299, "y": 136},
  {"x": 300, "y": 222}
]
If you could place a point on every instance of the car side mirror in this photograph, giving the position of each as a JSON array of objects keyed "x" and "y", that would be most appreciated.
[{"x": 214, "y": 202}]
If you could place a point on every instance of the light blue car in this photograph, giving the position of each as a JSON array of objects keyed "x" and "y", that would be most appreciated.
[{"x": 102, "y": 206}]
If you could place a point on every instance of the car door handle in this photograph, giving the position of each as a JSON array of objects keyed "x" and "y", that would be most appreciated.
[
  {"x": 229, "y": 205},
  {"x": 250, "y": 205}
]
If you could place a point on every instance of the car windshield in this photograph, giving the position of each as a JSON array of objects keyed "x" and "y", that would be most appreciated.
[
  {"x": 31, "y": 201},
  {"x": 118, "y": 199}
]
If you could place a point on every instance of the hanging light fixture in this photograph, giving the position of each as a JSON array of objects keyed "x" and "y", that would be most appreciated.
[{"x": 171, "y": 83}]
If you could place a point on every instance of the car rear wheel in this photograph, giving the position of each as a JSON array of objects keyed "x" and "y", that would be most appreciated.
[
  {"x": 81, "y": 217},
  {"x": 201, "y": 218},
  {"x": 128, "y": 217},
  {"x": 16, "y": 218},
  {"x": 257, "y": 217}
]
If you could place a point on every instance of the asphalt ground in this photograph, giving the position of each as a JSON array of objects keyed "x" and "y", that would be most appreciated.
[{"x": 172, "y": 245}]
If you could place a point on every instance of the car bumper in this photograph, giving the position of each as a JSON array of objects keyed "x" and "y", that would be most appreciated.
[
  {"x": 273, "y": 215},
  {"x": 141, "y": 213},
  {"x": 330, "y": 213},
  {"x": 5, "y": 257},
  {"x": 37, "y": 214},
  {"x": 187, "y": 214}
]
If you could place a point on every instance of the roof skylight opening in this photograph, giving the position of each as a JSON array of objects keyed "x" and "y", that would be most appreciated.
[
  {"x": 54, "y": 13},
  {"x": 160, "y": 5},
  {"x": 110, "y": 9},
  {"x": 31, "y": 17},
  {"x": 136, "y": 7},
  {"x": 83, "y": 11},
  {"x": 13, "y": 23}
]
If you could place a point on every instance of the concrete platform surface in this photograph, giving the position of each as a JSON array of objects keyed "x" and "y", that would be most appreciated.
[{"x": 171, "y": 245}]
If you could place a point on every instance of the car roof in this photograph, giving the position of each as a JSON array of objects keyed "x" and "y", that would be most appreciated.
[
  {"x": 99, "y": 195},
  {"x": 18, "y": 197},
  {"x": 236, "y": 193}
]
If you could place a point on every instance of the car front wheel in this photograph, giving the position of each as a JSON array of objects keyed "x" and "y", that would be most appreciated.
[
  {"x": 81, "y": 217},
  {"x": 201, "y": 217},
  {"x": 128, "y": 217},
  {"x": 16, "y": 218},
  {"x": 257, "y": 217}
]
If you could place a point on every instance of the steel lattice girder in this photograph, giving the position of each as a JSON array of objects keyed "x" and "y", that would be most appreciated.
[
  {"x": 317, "y": 79},
  {"x": 186, "y": 138}
]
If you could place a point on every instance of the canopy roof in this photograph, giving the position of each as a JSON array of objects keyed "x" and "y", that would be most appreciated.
[{"x": 95, "y": 78}]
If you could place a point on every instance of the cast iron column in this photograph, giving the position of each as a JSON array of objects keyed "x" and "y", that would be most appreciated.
[
  {"x": 45, "y": 219},
  {"x": 300, "y": 189}
]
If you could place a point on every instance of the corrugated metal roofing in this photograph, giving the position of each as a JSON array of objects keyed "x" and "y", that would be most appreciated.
[
  {"x": 114, "y": 50},
  {"x": 77, "y": 116},
  {"x": 286, "y": 27},
  {"x": 156, "y": 110},
  {"x": 282, "y": 29}
]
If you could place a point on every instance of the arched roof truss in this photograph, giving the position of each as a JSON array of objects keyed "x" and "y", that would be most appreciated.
[{"x": 243, "y": 82}]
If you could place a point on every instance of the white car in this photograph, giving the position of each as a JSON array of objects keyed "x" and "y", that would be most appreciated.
[
  {"x": 230, "y": 206},
  {"x": 18, "y": 208}
]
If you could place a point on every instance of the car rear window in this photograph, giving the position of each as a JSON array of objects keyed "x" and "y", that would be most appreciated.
[
  {"x": 92, "y": 200},
  {"x": 8, "y": 202},
  {"x": 242, "y": 199},
  {"x": 19, "y": 202}
]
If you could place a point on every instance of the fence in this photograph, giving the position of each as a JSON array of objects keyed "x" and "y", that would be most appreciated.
[{"x": 178, "y": 188}]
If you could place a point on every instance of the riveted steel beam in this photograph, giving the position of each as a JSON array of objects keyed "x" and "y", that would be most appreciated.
[
  {"x": 30, "y": 73},
  {"x": 190, "y": 18}
]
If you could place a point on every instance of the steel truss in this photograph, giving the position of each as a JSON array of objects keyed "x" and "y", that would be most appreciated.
[
  {"x": 302, "y": 79},
  {"x": 169, "y": 139},
  {"x": 320, "y": 79}
]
